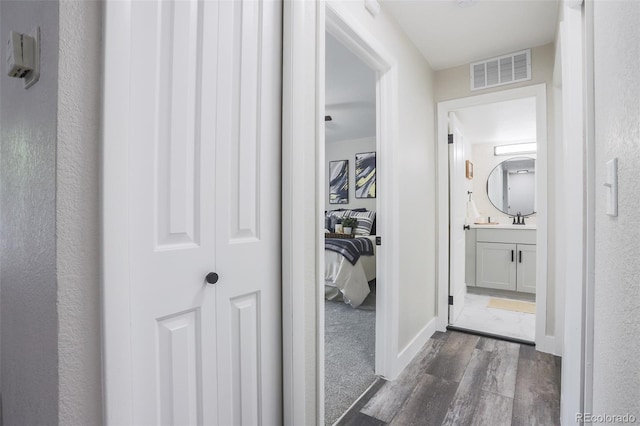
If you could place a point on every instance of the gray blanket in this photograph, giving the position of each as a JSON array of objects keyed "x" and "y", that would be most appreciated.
[{"x": 351, "y": 249}]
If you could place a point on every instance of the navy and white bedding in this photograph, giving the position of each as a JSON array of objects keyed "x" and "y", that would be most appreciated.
[
  {"x": 349, "y": 281},
  {"x": 350, "y": 263},
  {"x": 351, "y": 249}
]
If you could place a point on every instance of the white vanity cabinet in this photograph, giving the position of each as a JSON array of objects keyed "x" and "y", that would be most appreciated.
[{"x": 505, "y": 259}]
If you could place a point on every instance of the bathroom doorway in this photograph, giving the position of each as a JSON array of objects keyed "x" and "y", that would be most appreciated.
[{"x": 496, "y": 215}]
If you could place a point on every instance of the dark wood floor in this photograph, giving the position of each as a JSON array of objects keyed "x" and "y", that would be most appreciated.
[{"x": 461, "y": 379}]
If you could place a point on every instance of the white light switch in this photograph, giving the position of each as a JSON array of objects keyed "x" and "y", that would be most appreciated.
[{"x": 612, "y": 187}]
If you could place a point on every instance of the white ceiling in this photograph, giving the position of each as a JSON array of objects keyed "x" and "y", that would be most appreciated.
[
  {"x": 500, "y": 122},
  {"x": 449, "y": 35},
  {"x": 350, "y": 95}
]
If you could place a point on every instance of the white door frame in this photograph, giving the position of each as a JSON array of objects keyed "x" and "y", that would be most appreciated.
[
  {"x": 579, "y": 187},
  {"x": 344, "y": 29},
  {"x": 303, "y": 238},
  {"x": 116, "y": 314},
  {"x": 544, "y": 342}
]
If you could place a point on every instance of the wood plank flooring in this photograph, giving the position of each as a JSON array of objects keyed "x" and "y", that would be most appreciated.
[{"x": 461, "y": 379}]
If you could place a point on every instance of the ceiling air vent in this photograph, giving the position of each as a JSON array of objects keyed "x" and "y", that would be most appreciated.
[{"x": 502, "y": 70}]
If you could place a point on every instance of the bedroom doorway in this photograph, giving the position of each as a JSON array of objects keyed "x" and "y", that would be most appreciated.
[{"x": 350, "y": 210}]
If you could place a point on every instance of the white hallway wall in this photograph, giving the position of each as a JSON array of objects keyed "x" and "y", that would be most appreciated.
[
  {"x": 78, "y": 212},
  {"x": 617, "y": 270},
  {"x": 416, "y": 172}
]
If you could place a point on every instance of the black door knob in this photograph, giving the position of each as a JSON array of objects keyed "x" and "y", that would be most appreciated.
[{"x": 212, "y": 278}]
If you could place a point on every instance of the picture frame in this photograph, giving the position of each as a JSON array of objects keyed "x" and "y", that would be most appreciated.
[
  {"x": 469, "y": 169},
  {"x": 365, "y": 175},
  {"x": 339, "y": 182}
]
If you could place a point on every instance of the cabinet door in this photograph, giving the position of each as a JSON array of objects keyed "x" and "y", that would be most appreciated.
[
  {"x": 526, "y": 280},
  {"x": 496, "y": 266},
  {"x": 470, "y": 257}
]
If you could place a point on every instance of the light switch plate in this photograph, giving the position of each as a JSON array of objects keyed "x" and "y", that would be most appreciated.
[
  {"x": 612, "y": 187},
  {"x": 33, "y": 77},
  {"x": 23, "y": 56}
]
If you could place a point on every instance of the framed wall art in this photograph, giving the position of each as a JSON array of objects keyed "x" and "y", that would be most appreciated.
[
  {"x": 366, "y": 175},
  {"x": 469, "y": 169},
  {"x": 339, "y": 182}
]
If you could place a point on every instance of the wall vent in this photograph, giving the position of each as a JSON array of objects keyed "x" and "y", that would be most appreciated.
[{"x": 501, "y": 70}]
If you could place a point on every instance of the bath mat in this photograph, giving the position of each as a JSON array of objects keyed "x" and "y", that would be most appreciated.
[{"x": 512, "y": 305}]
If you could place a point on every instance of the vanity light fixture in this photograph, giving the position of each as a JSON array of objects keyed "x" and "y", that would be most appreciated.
[{"x": 516, "y": 148}]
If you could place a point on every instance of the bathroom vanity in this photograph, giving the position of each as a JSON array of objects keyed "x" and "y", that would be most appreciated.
[{"x": 501, "y": 257}]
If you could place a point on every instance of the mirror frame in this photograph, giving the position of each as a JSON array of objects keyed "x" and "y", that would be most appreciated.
[{"x": 487, "y": 186}]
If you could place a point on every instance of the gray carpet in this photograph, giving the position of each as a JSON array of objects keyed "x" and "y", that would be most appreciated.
[{"x": 349, "y": 348}]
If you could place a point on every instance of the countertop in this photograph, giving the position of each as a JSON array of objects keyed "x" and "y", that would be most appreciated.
[{"x": 502, "y": 226}]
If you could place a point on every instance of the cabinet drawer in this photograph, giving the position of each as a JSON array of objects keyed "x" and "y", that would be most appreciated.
[{"x": 513, "y": 236}]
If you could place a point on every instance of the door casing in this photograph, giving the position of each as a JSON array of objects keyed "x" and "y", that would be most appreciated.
[{"x": 544, "y": 342}]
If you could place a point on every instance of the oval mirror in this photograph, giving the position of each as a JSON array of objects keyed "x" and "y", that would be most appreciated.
[{"x": 511, "y": 186}]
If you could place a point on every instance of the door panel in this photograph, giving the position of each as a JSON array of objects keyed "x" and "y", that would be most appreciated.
[
  {"x": 526, "y": 268},
  {"x": 177, "y": 115},
  {"x": 171, "y": 249},
  {"x": 203, "y": 167},
  {"x": 179, "y": 375},
  {"x": 457, "y": 217},
  {"x": 248, "y": 226},
  {"x": 496, "y": 266}
]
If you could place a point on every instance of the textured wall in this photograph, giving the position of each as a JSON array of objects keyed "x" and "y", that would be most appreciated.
[
  {"x": 77, "y": 205},
  {"x": 27, "y": 226},
  {"x": 617, "y": 274}
]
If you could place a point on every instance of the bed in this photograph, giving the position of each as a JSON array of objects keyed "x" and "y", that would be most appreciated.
[{"x": 347, "y": 281}]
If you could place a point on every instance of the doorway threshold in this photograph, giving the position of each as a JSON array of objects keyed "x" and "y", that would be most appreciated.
[{"x": 491, "y": 335}]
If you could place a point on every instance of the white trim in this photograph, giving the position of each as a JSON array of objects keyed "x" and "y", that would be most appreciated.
[
  {"x": 348, "y": 31},
  {"x": 579, "y": 234},
  {"x": 320, "y": 194},
  {"x": 573, "y": 88},
  {"x": 544, "y": 343},
  {"x": 303, "y": 364},
  {"x": 116, "y": 359},
  {"x": 590, "y": 209},
  {"x": 559, "y": 216},
  {"x": 414, "y": 346},
  {"x": 298, "y": 254}
]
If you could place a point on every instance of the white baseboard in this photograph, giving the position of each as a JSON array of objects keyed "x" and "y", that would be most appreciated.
[{"x": 409, "y": 352}]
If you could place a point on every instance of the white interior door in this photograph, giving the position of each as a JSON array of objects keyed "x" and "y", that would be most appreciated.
[
  {"x": 201, "y": 162},
  {"x": 457, "y": 215}
]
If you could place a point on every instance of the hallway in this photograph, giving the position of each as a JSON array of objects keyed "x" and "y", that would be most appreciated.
[{"x": 461, "y": 379}]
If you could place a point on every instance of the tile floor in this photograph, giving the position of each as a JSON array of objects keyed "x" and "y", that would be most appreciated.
[{"x": 477, "y": 316}]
